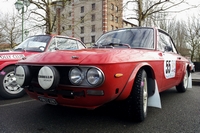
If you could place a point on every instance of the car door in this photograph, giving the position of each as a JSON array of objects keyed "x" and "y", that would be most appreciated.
[{"x": 171, "y": 60}]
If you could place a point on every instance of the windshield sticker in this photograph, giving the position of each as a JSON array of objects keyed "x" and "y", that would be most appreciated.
[
  {"x": 169, "y": 68},
  {"x": 14, "y": 56}
]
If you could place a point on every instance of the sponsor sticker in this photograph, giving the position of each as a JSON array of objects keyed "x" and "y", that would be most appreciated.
[{"x": 12, "y": 56}]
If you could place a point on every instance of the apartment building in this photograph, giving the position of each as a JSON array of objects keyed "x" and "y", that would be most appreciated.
[{"x": 88, "y": 19}]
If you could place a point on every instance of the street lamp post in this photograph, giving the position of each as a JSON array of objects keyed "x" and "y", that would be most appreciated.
[{"x": 21, "y": 5}]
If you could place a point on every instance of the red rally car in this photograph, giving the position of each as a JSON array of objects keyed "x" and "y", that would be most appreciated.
[
  {"x": 32, "y": 45},
  {"x": 131, "y": 65}
]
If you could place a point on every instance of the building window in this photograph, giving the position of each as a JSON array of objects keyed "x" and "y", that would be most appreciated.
[
  {"x": 82, "y": 39},
  {"x": 93, "y": 17},
  {"x": 82, "y": 19},
  {"x": 82, "y": 29},
  {"x": 70, "y": 14},
  {"x": 112, "y": 6},
  {"x": 63, "y": 28},
  {"x": 82, "y": 9},
  {"x": 69, "y": 26},
  {"x": 117, "y": 9},
  {"x": 55, "y": 29},
  {"x": 112, "y": 27},
  {"x": 116, "y": 27},
  {"x": 93, "y": 39},
  {"x": 93, "y": 28},
  {"x": 116, "y": 19},
  {"x": 112, "y": 17},
  {"x": 69, "y": 2},
  {"x": 93, "y": 6}
]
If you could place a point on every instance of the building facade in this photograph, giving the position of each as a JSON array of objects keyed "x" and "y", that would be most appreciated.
[{"x": 88, "y": 19}]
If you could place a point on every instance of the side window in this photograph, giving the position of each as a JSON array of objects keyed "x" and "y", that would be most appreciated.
[
  {"x": 67, "y": 44},
  {"x": 80, "y": 45},
  {"x": 52, "y": 45},
  {"x": 165, "y": 40}
]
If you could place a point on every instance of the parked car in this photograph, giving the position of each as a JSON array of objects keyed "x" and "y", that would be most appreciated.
[
  {"x": 129, "y": 65},
  {"x": 32, "y": 45}
]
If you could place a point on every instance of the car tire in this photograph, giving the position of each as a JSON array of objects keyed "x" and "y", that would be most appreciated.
[
  {"x": 136, "y": 103},
  {"x": 182, "y": 87},
  {"x": 8, "y": 87}
]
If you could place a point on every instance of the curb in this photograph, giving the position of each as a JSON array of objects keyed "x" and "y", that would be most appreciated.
[{"x": 196, "y": 82}]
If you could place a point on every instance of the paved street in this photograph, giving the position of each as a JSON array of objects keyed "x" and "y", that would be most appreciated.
[{"x": 180, "y": 113}]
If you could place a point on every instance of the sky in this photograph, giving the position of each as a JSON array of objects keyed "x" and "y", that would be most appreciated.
[{"x": 8, "y": 6}]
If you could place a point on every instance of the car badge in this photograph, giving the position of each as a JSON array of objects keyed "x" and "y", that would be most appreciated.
[{"x": 75, "y": 57}]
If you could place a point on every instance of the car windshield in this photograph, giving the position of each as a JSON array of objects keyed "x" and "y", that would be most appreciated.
[
  {"x": 65, "y": 43},
  {"x": 134, "y": 37},
  {"x": 34, "y": 43}
]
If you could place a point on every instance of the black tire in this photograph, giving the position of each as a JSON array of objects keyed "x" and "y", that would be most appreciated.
[
  {"x": 182, "y": 87},
  {"x": 136, "y": 103},
  {"x": 8, "y": 87}
]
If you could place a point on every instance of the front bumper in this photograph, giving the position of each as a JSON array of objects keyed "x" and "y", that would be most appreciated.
[{"x": 74, "y": 97}]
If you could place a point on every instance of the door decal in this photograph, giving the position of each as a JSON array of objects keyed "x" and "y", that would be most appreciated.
[{"x": 169, "y": 68}]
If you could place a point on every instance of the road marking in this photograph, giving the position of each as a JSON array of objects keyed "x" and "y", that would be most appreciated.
[{"x": 17, "y": 103}]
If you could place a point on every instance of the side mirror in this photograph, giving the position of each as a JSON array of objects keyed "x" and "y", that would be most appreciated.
[{"x": 168, "y": 48}]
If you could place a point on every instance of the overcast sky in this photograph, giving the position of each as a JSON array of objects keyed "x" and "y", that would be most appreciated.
[{"x": 8, "y": 6}]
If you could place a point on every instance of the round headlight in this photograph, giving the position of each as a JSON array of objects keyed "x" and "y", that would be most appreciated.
[
  {"x": 94, "y": 77},
  {"x": 75, "y": 76}
]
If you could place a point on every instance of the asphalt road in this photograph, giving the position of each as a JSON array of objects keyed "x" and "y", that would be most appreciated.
[{"x": 180, "y": 113}]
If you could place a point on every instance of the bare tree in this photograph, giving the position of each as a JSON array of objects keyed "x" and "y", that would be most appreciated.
[
  {"x": 2, "y": 36},
  {"x": 194, "y": 38},
  {"x": 142, "y": 9},
  {"x": 41, "y": 14},
  {"x": 10, "y": 28}
]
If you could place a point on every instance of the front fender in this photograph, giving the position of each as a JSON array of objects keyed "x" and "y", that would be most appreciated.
[
  {"x": 128, "y": 87},
  {"x": 8, "y": 63}
]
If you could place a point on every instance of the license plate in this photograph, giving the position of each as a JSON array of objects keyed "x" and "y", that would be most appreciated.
[{"x": 48, "y": 100}]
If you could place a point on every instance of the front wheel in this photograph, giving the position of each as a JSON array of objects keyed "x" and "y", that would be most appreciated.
[
  {"x": 182, "y": 87},
  {"x": 136, "y": 103},
  {"x": 8, "y": 87}
]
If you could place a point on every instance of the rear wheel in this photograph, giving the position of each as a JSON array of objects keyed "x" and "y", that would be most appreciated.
[
  {"x": 8, "y": 86},
  {"x": 136, "y": 103},
  {"x": 182, "y": 87}
]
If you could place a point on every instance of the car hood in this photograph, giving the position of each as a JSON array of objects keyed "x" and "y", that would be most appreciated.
[{"x": 86, "y": 56}]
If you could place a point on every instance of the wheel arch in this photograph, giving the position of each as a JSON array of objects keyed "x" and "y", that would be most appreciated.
[
  {"x": 7, "y": 64},
  {"x": 150, "y": 79},
  {"x": 129, "y": 85}
]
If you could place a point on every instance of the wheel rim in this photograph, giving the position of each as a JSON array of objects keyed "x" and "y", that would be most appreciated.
[
  {"x": 10, "y": 85},
  {"x": 145, "y": 95},
  {"x": 185, "y": 80}
]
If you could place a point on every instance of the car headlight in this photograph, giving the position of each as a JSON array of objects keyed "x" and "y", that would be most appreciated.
[
  {"x": 75, "y": 76},
  {"x": 94, "y": 77}
]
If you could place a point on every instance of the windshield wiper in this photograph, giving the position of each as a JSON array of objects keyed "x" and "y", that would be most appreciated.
[
  {"x": 19, "y": 49},
  {"x": 117, "y": 45}
]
